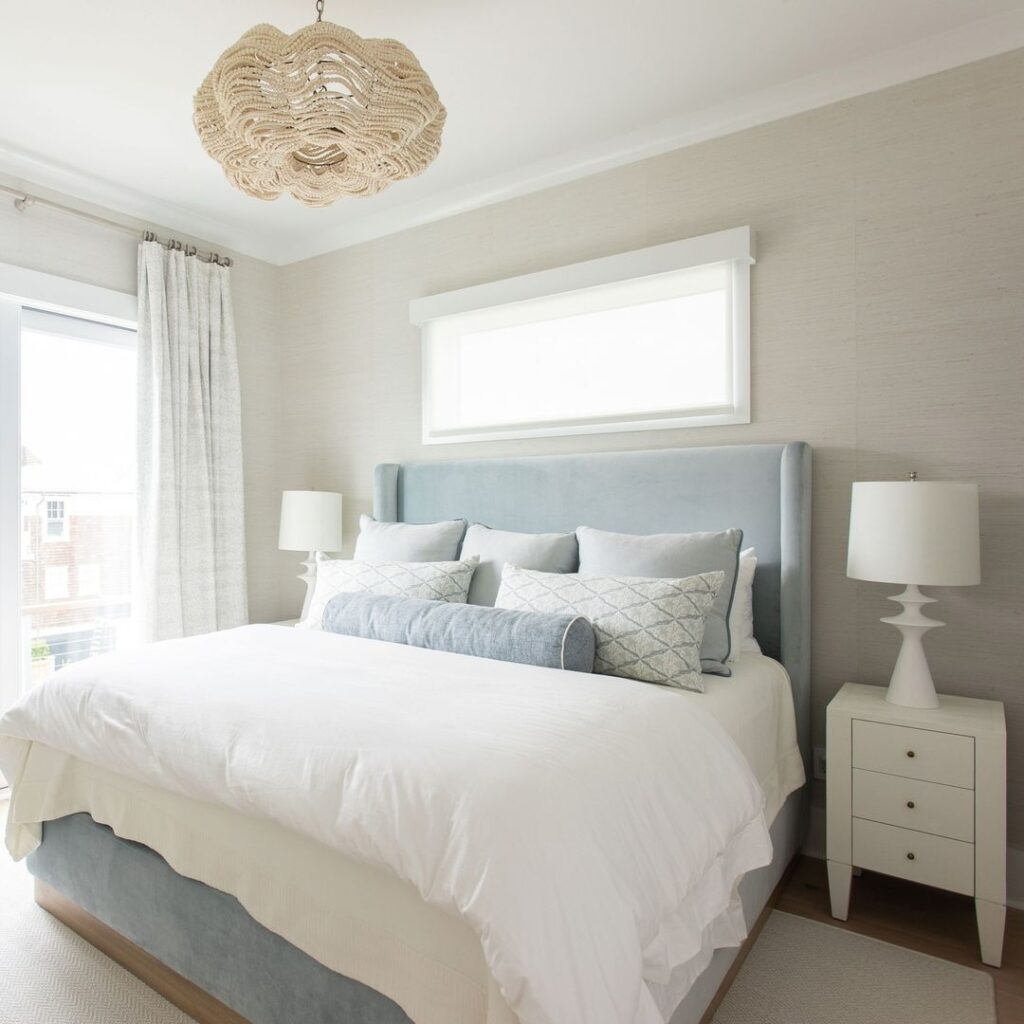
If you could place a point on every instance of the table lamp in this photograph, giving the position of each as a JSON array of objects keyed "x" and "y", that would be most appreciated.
[
  {"x": 916, "y": 533},
  {"x": 310, "y": 521}
]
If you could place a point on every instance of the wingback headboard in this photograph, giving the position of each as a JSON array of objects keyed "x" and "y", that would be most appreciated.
[{"x": 764, "y": 489}]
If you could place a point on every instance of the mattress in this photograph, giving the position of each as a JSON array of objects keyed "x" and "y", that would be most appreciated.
[
  {"x": 755, "y": 706},
  {"x": 356, "y": 919}
]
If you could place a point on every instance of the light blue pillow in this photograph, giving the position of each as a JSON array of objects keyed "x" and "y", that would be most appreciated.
[
  {"x": 528, "y": 638},
  {"x": 548, "y": 552},
  {"x": 408, "y": 542},
  {"x": 673, "y": 556}
]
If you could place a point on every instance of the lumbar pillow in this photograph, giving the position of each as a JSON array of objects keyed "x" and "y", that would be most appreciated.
[
  {"x": 432, "y": 581},
  {"x": 646, "y": 629},
  {"x": 549, "y": 552},
  {"x": 408, "y": 542},
  {"x": 529, "y": 638},
  {"x": 741, "y": 617},
  {"x": 672, "y": 556}
]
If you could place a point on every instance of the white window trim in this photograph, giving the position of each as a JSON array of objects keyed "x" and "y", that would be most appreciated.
[
  {"x": 20, "y": 287},
  {"x": 734, "y": 246}
]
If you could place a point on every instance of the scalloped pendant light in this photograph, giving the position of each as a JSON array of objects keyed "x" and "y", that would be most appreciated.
[{"x": 320, "y": 114}]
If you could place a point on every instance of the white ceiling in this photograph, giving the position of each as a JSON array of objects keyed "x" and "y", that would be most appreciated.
[{"x": 97, "y": 98}]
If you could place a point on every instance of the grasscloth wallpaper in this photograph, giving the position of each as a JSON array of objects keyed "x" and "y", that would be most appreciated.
[{"x": 888, "y": 331}]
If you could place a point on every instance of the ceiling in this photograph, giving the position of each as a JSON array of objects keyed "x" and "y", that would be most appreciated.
[{"x": 537, "y": 91}]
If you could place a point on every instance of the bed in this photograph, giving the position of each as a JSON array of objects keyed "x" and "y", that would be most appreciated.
[{"x": 252, "y": 901}]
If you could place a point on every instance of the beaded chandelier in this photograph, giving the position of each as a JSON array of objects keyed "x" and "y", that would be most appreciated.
[{"x": 320, "y": 114}]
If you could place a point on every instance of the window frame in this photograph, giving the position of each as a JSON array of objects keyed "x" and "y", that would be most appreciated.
[
  {"x": 21, "y": 292},
  {"x": 733, "y": 247}
]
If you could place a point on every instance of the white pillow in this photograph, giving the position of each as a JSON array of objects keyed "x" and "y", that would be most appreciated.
[
  {"x": 645, "y": 628},
  {"x": 741, "y": 617},
  {"x": 408, "y": 542},
  {"x": 432, "y": 581}
]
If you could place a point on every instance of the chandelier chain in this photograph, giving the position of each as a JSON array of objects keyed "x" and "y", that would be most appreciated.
[{"x": 319, "y": 10}]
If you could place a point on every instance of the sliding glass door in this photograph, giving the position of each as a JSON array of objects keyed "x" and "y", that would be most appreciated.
[{"x": 67, "y": 458}]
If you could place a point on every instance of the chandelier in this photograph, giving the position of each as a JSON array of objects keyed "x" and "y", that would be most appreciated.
[{"x": 320, "y": 114}]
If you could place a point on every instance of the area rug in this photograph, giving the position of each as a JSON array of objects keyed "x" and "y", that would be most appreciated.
[{"x": 805, "y": 972}]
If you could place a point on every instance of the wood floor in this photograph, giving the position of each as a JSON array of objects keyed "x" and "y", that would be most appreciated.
[{"x": 938, "y": 923}]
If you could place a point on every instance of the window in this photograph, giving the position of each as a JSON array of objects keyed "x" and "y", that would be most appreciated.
[
  {"x": 89, "y": 577},
  {"x": 55, "y": 522},
  {"x": 645, "y": 340},
  {"x": 55, "y": 584},
  {"x": 67, "y": 462}
]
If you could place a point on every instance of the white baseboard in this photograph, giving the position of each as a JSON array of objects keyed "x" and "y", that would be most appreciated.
[{"x": 815, "y": 847}]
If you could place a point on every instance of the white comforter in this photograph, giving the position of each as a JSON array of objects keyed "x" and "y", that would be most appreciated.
[{"x": 590, "y": 829}]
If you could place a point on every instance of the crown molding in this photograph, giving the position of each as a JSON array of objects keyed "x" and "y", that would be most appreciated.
[
  {"x": 940, "y": 52},
  {"x": 33, "y": 172},
  {"x": 927, "y": 56}
]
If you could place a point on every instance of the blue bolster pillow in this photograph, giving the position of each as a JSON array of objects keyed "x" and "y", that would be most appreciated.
[{"x": 501, "y": 634}]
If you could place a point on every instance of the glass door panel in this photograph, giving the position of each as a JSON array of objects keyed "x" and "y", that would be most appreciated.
[{"x": 77, "y": 490}]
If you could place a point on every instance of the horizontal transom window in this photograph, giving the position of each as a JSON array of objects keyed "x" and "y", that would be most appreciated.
[{"x": 644, "y": 340}]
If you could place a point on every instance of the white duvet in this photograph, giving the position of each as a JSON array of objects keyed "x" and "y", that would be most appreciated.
[{"x": 590, "y": 829}]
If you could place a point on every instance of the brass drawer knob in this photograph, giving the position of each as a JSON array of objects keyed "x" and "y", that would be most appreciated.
[
  {"x": 910, "y": 753},
  {"x": 910, "y": 804},
  {"x": 910, "y": 856}
]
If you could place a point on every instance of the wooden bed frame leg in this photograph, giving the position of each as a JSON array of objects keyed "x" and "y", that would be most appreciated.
[{"x": 186, "y": 996}]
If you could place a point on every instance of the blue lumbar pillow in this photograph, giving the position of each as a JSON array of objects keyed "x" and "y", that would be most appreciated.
[{"x": 529, "y": 638}]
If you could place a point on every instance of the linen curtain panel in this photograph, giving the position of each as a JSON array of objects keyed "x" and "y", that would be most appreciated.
[{"x": 190, "y": 534}]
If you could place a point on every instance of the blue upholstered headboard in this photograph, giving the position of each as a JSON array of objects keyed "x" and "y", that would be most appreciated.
[{"x": 765, "y": 489}]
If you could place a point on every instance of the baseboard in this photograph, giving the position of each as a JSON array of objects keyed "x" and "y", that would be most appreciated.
[{"x": 814, "y": 846}]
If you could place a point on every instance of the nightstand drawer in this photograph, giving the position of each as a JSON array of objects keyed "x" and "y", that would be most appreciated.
[
  {"x": 917, "y": 856},
  {"x": 923, "y": 806},
  {"x": 914, "y": 753}
]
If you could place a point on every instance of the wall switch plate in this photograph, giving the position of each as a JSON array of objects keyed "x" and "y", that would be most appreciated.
[{"x": 819, "y": 762}]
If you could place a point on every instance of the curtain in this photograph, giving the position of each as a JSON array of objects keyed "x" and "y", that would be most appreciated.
[{"x": 190, "y": 531}]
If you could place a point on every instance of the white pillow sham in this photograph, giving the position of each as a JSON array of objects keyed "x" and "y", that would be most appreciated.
[
  {"x": 431, "y": 581},
  {"x": 741, "y": 617},
  {"x": 645, "y": 628}
]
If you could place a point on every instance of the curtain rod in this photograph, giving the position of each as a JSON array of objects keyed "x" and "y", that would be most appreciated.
[{"x": 23, "y": 200}]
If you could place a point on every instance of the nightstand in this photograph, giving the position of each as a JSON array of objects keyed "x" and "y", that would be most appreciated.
[
  {"x": 286, "y": 622},
  {"x": 921, "y": 795}
]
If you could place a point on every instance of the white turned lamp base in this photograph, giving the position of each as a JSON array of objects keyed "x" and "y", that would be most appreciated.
[
  {"x": 308, "y": 576},
  {"x": 911, "y": 684}
]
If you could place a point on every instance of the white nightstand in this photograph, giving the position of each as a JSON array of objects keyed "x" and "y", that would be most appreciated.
[
  {"x": 920, "y": 794},
  {"x": 286, "y": 622}
]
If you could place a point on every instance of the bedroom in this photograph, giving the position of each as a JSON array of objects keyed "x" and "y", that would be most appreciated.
[{"x": 829, "y": 198}]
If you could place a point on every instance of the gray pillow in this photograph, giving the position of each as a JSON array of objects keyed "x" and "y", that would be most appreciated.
[
  {"x": 549, "y": 552},
  {"x": 646, "y": 629},
  {"x": 553, "y": 641},
  {"x": 408, "y": 542},
  {"x": 672, "y": 556}
]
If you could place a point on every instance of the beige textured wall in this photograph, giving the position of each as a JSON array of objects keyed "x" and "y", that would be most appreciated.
[
  {"x": 52, "y": 242},
  {"x": 888, "y": 331}
]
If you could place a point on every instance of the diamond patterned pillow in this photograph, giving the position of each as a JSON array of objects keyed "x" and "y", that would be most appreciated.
[
  {"x": 645, "y": 628},
  {"x": 432, "y": 581}
]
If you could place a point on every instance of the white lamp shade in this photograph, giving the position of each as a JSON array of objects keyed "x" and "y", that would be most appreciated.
[
  {"x": 915, "y": 532},
  {"x": 310, "y": 521}
]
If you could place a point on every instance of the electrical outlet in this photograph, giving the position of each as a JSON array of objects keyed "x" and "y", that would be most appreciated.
[{"x": 819, "y": 762}]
